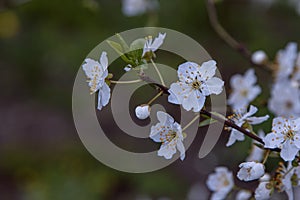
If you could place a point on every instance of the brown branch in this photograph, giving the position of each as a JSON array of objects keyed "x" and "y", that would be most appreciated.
[
  {"x": 227, "y": 122},
  {"x": 228, "y": 39},
  {"x": 232, "y": 125}
]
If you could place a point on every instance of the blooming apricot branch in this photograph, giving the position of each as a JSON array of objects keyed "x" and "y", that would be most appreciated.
[{"x": 198, "y": 81}]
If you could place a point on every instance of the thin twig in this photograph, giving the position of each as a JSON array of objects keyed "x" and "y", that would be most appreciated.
[
  {"x": 232, "y": 125},
  {"x": 126, "y": 82},
  {"x": 228, "y": 39},
  {"x": 158, "y": 72},
  {"x": 191, "y": 122},
  {"x": 209, "y": 114}
]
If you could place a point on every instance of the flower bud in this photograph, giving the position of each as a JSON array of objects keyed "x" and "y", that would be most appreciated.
[
  {"x": 250, "y": 171},
  {"x": 259, "y": 57},
  {"x": 142, "y": 111}
]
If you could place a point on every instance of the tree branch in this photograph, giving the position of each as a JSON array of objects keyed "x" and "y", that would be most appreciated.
[
  {"x": 227, "y": 122},
  {"x": 228, "y": 39}
]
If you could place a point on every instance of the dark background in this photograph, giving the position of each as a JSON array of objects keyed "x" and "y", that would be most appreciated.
[{"x": 42, "y": 45}]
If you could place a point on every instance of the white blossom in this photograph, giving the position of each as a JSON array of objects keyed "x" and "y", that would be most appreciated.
[
  {"x": 258, "y": 57},
  {"x": 243, "y": 195},
  {"x": 142, "y": 111},
  {"x": 152, "y": 45},
  {"x": 220, "y": 183},
  {"x": 286, "y": 180},
  {"x": 195, "y": 83},
  {"x": 137, "y": 7},
  {"x": 250, "y": 171},
  {"x": 127, "y": 68},
  {"x": 256, "y": 152},
  {"x": 169, "y": 133},
  {"x": 285, "y": 99},
  {"x": 263, "y": 191},
  {"x": 286, "y": 136},
  {"x": 244, "y": 90},
  {"x": 296, "y": 76},
  {"x": 96, "y": 73},
  {"x": 241, "y": 118},
  {"x": 286, "y": 60}
]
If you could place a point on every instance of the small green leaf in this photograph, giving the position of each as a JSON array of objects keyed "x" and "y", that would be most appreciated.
[
  {"x": 123, "y": 43},
  {"x": 219, "y": 115},
  {"x": 207, "y": 122},
  {"x": 116, "y": 46}
]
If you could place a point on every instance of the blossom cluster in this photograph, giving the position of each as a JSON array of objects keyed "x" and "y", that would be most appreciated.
[
  {"x": 198, "y": 81},
  {"x": 195, "y": 83},
  {"x": 284, "y": 137}
]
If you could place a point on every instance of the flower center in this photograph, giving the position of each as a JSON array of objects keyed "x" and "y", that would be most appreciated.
[
  {"x": 289, "y": 105},
  {"x": 225, "y": 182},
  {"x": 170, "y": 136},
  {"x": 290, "y": 134},
  {"x": 244, "y": 93},
  {"x": 196, "y": 85}
]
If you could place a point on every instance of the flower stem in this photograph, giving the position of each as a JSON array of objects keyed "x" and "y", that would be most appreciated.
[
  {"x": 191, "y": 122},
  {"x": 288, "y": 171},
  {"x": 209, "y": 114},
  {"x": 266, "y": 156},
  {"x": 154, "y": 98},
  {"x": 126, "y": 82},
  {"x": 228, "y": 39},
  {"x": 158, "y": 72}
]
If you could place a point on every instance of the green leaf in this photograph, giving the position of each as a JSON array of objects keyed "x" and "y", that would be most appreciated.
[
  {"x": 118, "y": 48},
  {"x": 219, "y": 115},
  {"x": 207, "y": 122},
  {"x": 123, "y": 43}
]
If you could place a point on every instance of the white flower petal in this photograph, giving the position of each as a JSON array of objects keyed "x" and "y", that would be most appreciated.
[
  {"x": 262, "y": 192},
  {"x": 215, "y": 85},
  {"x": 250, "y": 77},
  {"x": 208, "y": 69},
  {"x": 235, "y": 136},
  {"x": 250, "y": 171},
  {"x": 103, "y": 96},
  {"x": 288, "y": 151},
  {"x": 257, "y": 120},
  {"x": 167, "y": 151},
  {"x": 181, "y": 149},
  {"x": 273, "y": 140},
  {"x": 187, "y": 71},
  {"x": 104, "y": 60},
  {"x": 158, "y": 41}
]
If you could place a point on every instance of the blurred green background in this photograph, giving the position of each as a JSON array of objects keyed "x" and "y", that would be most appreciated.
[{"x": 42, "y": 45}]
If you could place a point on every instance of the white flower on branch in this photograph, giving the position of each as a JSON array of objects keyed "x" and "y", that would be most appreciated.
[
  {"x": 285, "y": 99},
  {"x": 96, "y": 73},
  {"x": 286, "y": 136},
  {"x": 152, "y": 45},
  {"x": 259, "y": 57},
  {"x": 244, "y": 118},
  {"x": 296, "y": 76},
  {"x": 169, "y": 133},
  {"x": 220, "y": 183},
  {"x": 142, "y": 111},
  {"x": 244, "y": 90},
  {"x": 195, "y": 83},
  {"x": 286, "y": 60},
  {"x": 132, "y": 8},
  {"x": 243, "y": 195},
  {"x": 250, "y": 171},
  {"x": 263, "y": 191}
]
